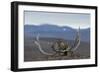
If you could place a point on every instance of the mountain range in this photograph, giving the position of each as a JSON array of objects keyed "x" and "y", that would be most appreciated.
[{"x": 54, "y": 31}]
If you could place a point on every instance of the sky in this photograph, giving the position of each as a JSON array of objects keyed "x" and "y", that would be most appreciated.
[{"x": 73, "y": 20}]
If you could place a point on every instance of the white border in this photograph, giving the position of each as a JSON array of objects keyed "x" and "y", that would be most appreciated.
[{"x": 22, "y": 64}]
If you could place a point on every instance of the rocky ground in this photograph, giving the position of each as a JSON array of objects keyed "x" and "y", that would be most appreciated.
[{"x": 32, "y": 53}]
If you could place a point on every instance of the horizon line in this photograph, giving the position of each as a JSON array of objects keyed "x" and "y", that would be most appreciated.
[{"x": 60, "y": 26}]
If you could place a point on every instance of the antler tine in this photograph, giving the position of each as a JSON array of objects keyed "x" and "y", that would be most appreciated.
[{"x": 76, "y": 42}]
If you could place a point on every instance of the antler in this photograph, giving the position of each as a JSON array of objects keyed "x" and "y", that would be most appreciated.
[
  {"x": 40, "y": 48},
  {"x": 76, "y": 42},
  {"x": 56, "y": 48}
]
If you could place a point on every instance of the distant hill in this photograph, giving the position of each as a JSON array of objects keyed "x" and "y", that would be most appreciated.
[{"x": 54, "y": 31}]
